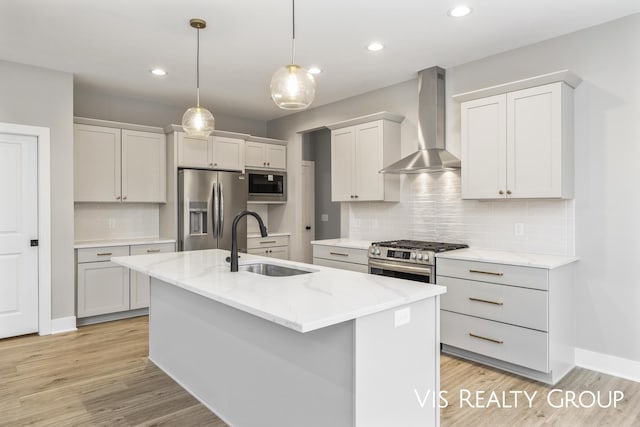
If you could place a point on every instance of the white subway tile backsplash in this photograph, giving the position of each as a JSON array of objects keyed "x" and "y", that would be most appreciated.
[
  {"x": 105, "y": 221},
  {"x": 431, "y": 208}
]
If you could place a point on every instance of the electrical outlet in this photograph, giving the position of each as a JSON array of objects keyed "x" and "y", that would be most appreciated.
[
  {"x": 518, "y": 229},
  {"x": 402, "y": 317},
  {"x": 324, "y": 217}
]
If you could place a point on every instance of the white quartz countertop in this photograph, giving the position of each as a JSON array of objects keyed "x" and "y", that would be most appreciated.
[
  {"x": 304, "y": 303},
  {"x": 506, "y": 257},
  {"x": 253, "y": 235},
  {"x": 344, "y": 243},
  {"x": 82, "y": 244}
]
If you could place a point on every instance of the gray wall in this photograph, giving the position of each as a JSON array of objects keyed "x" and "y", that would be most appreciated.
[
  {"x": 321, "y": 146},
  {"x": 97, "y": 104},
  {"x": 607, "y": 131},
  {"x": 40, "y": 97}
]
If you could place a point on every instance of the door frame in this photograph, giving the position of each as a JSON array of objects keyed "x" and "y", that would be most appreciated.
[{"x": 44, "y": 218}]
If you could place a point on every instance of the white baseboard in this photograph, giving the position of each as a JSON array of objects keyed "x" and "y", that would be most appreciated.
[
  {"x": 607, "y": 364},
  {"x": 63, "y": 324}
]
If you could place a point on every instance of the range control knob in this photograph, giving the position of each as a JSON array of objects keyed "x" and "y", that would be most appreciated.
[
  {"x": 425, "y": 257},
  {"x": 419, "y": 257},
  {"x": 377, "y": 251},
  {"x": 372, "y": 250},
  {"x": 413, "y": 255}
]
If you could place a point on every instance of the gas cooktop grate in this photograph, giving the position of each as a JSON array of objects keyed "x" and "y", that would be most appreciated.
[{"x": 419, "y": 245}]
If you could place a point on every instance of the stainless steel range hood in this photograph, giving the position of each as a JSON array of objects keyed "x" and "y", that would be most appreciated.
[{"x": 431, "y": 155}]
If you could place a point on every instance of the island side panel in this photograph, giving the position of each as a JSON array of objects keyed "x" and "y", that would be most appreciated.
[
  {"x": 397, "y": 366},
  {"x": 247, "y": 370}
]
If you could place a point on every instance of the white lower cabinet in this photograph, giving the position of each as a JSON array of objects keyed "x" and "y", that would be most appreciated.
[
  {"x": 344, "y": 258},
  {"x": 515, "y": 318},
  {"x": 270, "y": 246},
  {"x": 104, "y": 287}
]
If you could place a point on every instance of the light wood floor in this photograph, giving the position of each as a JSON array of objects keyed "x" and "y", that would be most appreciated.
[{"x": 100, "y": 375}]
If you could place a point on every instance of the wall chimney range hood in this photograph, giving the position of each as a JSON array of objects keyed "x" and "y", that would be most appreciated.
[{"x": 431, "y": 155}]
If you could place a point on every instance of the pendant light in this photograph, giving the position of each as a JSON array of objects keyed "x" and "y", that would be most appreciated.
[
  {"x": 198, "y": 121},
  {"x": 292, "y": 86}
]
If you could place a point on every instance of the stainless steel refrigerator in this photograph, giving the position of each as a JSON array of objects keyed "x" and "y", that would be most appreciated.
[{"x": 207, "y": 203}]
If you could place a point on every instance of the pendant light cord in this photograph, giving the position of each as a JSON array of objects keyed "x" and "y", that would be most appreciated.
[
  {"x": 293, "y": 31},
  {"x": 198, "y": 69}
]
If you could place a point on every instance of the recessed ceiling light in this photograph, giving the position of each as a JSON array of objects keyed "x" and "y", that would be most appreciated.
[
  {"x": 459, "y": 11},
  {"x": 375, "y": 46},
  {"x": 158, "y": 72},
  {"x": 315, "y": 70}
]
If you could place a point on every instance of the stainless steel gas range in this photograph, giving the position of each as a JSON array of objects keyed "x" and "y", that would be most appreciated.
[{"x": 407, "y": 259}]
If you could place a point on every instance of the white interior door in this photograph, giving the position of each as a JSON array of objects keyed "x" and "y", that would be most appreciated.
[
  {"x": 18, "y": 226},
  {"x": 308, "y": 209}
]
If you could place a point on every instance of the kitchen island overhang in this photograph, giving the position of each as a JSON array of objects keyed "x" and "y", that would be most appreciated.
[{"x": 327, "y": 348}]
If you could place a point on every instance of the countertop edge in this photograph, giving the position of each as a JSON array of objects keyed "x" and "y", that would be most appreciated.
[
  {"x": 522, "y": 259},
  {"x": 84, "y": 244}
]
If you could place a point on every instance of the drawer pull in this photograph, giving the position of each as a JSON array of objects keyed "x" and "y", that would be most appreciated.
[
  {"x": 152, "y": 251},
  {"x": 105, "y": 254},
  {"x": 338, "y": 253},
  {"x": 267, "y": 241},
  {"x": 485, "y": 338},
  {"x": 486, "y": 272},
  {"x": 485, "y": 300}
]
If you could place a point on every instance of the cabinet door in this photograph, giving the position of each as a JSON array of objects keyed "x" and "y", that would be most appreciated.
[
  {"x": 276, "y": 156},
  {"x": 139, "y": 284},
  {"x": 484, "y": 148},
  {"x": 96, "y": 160},
  {"x": 342, "y": 164},
  {"x": 534, "y": 142},
  {"x": 143, "y": 167},
  {"x": 103, "y": 287},
  {"x": 195, "y": 152},
  {"x": 279, "y": 252},
  {"x": 228, "y": 153},
  {"x": 255, "y": 156},
  {"x": 369, "y": 183}
]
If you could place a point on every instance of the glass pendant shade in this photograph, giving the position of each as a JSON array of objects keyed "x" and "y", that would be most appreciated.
[
  {"x": 198, "y": 122},
  {"x": 293, "y": 87}
]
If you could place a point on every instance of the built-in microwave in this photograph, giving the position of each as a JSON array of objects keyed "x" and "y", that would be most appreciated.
[{"x": 266, "y": 186}]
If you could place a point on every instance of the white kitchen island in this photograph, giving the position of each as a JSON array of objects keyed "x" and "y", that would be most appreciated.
[{"x": 328, "y": 348}]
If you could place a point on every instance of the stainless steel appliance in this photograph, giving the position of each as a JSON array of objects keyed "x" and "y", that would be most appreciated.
[
  {"x": 267, "y": 186},
  {"x": 207, "y": 203},
  {"x": 407, "y": 259}
]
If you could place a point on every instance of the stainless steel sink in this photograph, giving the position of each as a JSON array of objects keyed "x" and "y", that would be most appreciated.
[{"x": 272, "y": 270}]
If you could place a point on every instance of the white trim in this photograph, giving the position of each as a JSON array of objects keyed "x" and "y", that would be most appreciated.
[
  {"x": 63, "y": 324},
  {"x": 607, "y": 364},
  {"x": 44, "y": 219}
]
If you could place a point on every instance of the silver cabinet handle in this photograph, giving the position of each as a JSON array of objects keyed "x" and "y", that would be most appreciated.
[
  {"x": 338, "y": 253},
  {"x": 152, "y": 251},
  {"x": 105, "y": 254},
  {"x": 486, "y": 339},
  {"x": 486, "y": 272},
  {"x": 485, "y": 300},
  {"x": 267, "y": 241}
]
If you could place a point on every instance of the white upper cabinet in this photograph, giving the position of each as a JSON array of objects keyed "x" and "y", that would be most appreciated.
[
  {"x": 214, "y": 152},
  {"x": 262, "y": 155},
  {"x": 359, "y": 149},
  {"x": 143, "y": 166},
  {"x": 118, "y": 165},
  {"x": 96, "y": 162},
  {"x": 519, "y": 144}
]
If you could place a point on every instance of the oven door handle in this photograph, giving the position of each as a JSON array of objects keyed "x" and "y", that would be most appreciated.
[{"x": 424, "y": 271}]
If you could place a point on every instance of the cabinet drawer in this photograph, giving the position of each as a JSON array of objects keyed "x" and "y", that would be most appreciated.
[
  {"x": 280, "y": 252},
  {"x": 528, "y": 277},
  {"x": 521, "y": 346},
  {"x": 101, "y": 254},
  {"x": 509, "y": 304},
  {"x": 356, "y": 256},
  {"x": 264, "y": 242},
  {"x": 341, "y": 265},
  {"x": 152, "y": 248}
]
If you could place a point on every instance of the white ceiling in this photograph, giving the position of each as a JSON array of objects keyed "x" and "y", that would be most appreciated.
[{"x": 112, "y": 44}]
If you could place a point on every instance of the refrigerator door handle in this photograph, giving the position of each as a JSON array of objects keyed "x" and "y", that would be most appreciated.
[
  {"x": 221, "y": 207},
  {"x": 215, "y": 209}
]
